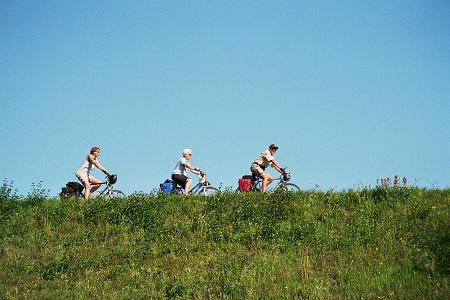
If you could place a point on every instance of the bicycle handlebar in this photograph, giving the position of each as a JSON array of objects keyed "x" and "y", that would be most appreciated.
[{"x": 110, "y": 179}]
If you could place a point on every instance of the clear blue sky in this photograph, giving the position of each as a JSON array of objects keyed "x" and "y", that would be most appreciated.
[{"x": 351, "y": 91}]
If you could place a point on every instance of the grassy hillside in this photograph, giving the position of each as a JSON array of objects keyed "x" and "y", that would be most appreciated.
[{"x": 376, "y": 244}]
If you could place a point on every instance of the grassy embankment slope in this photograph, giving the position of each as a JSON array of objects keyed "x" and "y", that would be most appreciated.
[{"x": 379, "y": 244}]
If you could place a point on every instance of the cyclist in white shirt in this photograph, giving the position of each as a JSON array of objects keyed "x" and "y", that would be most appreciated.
[
  {"x": 179, "y": 174},
  {"x": 264, "y": 160},
  {"x": 84, "y": 172}
]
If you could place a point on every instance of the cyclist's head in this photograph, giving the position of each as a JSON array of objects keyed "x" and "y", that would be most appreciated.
[
  {"x": 187, "y": 152},
  {"x": 95, "y": 149},
  {"x": 273, "y": 147}
]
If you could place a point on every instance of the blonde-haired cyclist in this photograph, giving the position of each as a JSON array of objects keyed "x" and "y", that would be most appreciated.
[{"x": 84, "y": 172}]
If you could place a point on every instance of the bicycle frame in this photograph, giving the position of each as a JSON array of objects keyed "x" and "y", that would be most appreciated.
[
  {"x": 196, "y": 188},
  {"x": 199, "y": 186},
  {"x": 108, "y": 190},
  {"x": 282, "y": 182}
]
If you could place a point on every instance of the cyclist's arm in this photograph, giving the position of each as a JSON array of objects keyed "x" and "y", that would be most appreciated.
[
  {"x": 97, "y": 164},
  {"x": 277, "y": 167},
  {"x": 192, "y": 168}
]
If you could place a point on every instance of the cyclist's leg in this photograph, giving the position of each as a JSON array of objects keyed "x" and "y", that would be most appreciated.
[
  {"x": 266, "y": 178},
  {"x": 85, "y": 181},
  {"x": 187, "y": 186},
  {"x": 96, "y": 183},
  {"x": 183, "y": 181}
]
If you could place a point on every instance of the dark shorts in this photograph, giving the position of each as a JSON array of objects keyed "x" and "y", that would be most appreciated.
[{"x": 179, "y": 179}]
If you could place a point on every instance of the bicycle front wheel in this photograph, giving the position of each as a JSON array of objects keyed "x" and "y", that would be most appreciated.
[
  {"x": 116, "y": 194},
  {"x": 207, "y": 191},
  {"x": 290, "y": 187}
]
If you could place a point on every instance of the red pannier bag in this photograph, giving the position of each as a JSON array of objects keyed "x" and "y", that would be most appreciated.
[{"x": 245, "y": 183}]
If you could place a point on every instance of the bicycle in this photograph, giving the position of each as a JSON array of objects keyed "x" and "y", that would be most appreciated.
[
  {"x": 109, "y": 190},
  {"x": 75, "y": 189},
  {"x": 203, "y": 187},
  {"x": 282, "y": 185}
]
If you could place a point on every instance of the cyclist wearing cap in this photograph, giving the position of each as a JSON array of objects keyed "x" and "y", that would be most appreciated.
[
  {"x": 179, "y": 174},
  {"x": 84, "y": 172},
  {"x": 264, "y": 160}
]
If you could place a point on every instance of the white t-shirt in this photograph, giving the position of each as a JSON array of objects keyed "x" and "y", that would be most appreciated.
[
  {"x": 264, "y": 159},
  {"x": 180, "y": 168}
]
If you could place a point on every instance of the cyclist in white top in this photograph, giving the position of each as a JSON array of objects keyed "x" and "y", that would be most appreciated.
[
  {"x": 179, "y": 174},
  {"x": 84, "y": 172},
  {"x": 264, "y": 160}
]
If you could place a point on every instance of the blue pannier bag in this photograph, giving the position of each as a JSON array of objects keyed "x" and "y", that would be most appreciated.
[{"x": 166, "y": 187}]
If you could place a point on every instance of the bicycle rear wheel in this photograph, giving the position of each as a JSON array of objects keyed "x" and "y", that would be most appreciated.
[{"x": 207, "y": 191}]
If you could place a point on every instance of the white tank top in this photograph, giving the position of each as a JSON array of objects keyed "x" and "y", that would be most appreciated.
[{"x": 86, "y": 167}]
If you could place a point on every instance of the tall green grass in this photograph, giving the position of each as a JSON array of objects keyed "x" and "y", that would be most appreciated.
[{"x": 371, "y": 244}]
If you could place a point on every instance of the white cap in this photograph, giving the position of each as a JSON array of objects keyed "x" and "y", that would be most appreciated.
[{"x": 187, "y": 151}]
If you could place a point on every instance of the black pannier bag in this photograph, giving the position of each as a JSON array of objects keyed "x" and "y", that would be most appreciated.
[{"x": 72, "y": 189}]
